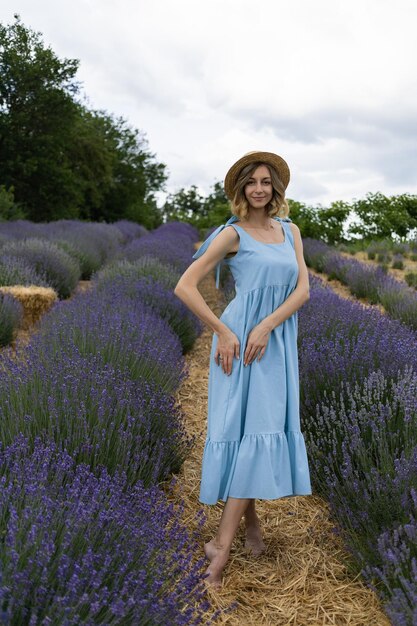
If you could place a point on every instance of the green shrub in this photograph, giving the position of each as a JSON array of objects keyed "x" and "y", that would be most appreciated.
[
  {"x": 398, "y": 262},
  {"x": 383, "y": 257},
  {"x": 411, "y": 279}
]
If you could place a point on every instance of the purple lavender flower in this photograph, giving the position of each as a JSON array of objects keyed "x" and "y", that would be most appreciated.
[
  {"x": 11, "y": 315},
  {"x": 61, "y": 271},
  {"x": 85, "y": 548},
  {"x": 364, "y": 281},
  {"x": 15, "y": 271}
]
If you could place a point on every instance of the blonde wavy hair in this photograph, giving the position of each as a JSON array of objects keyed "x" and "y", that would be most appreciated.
[{"x": 278, "y": 205}]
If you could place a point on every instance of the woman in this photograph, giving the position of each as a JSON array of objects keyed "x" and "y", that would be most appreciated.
[{"x": 254, "y": 446}]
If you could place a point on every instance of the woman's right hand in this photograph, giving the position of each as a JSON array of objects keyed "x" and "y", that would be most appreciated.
[{"x": 228, "y": 346}]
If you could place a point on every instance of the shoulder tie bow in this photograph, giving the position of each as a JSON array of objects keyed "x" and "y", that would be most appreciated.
[{"x": 214, "y": 234}]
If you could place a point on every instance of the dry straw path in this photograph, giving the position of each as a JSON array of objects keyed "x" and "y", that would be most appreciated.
[{"x": 302, "y": 579}]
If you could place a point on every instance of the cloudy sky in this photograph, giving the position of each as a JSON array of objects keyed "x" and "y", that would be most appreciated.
[{"x": 330, "y": 85}]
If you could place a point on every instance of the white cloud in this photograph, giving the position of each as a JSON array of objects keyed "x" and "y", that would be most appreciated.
[{"x": 328, "y": 85}]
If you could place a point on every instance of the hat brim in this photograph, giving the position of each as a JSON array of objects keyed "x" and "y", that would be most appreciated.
[{"x": 270, "y": 158}]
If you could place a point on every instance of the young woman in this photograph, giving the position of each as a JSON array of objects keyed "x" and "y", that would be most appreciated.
[{"x": 254, "y": 447}]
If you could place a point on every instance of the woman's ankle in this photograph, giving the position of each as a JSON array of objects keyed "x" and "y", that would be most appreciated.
[
  {"x": 220, "y": 544},
  {"x": 251, "y": 520}
]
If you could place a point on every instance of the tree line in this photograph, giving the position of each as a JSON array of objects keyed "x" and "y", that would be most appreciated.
[
  {"x": 60, "y": 159},
  {"x": 375, "y": 216}
]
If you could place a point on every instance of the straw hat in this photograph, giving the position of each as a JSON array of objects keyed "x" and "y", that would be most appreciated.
[{"x": 250, "y": 157}]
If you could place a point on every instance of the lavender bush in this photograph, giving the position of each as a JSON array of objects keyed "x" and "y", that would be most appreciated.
[
  {"x": 61, "y": 271},
  {"x": 363, "y": 444},
  {"x": 399, "y": 247},
  {"x": 398, "y": 261},
  {"x": 130, "y": 230},
  {"x": 83, "y": 549},
  {"x": 91, "y": 244},
  {"x": 384, "y": 258},
  {"x": 396, "y": 578},
  {"x": 342, "y": 340},
  {"x": 163, "y": 302},
  {"x": 86, "y": 256},
  {"x": 124, "y": 333},
  {"x": 377, "y": 247},
  {"x": 178, "y": 230},
  {"x": 95, "y": 412},
  {"x": 15, "y": 271},
  {"x": 358, "y": 390},
  {"x": 3, "y": 238},
  {"x": 20, "y": 229},
  {"x": 399, "y": 301},
  {"x": 162, "y": 244},
  {"x": 146, "y": 266},
  {"x": 94, "y": 244},
  {"x": 11, "y": 315},
  {"x": 411, "y": 279},
  {"x": 315, "y": 252},
  {"x": 366, "y": 282},
  {"x": 363, "y": 441}
]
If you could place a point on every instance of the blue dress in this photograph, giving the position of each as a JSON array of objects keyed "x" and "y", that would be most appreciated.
[{"x": 254, "y": 447}]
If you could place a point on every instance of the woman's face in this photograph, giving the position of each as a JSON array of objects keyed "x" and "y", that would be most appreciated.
[{"x": 258, "y": 189}]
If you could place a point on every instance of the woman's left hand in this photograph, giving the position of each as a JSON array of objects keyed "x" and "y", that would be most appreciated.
[{"x": 256, "y": 344}]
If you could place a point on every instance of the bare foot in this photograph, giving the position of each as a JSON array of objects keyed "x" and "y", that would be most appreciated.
[
  {"x": 254, "y": 542},
  {"x": 218, "y": 558}
]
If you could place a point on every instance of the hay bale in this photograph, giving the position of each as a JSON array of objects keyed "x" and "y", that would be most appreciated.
[{"x": 35, "y": 301}]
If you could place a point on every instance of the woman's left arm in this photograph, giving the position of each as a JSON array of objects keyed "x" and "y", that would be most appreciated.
[{"x": 301, "y": 293}]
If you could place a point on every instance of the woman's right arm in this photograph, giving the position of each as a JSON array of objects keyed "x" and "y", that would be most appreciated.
[{"x": 187, "y": 287}]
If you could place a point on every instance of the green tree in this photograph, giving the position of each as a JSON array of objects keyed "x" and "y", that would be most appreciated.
[
  {"x": 318, "y": 222},
  {"x": 9, "y": 210},
  {"x": 63, "y": 160},
  {"x": 37, "y": 113},
  {"x": 306, "y": 218},
  {"x": 382, "y": 216},
  {"x": 136, "y": 175},
  {"x": 189, "y": 205},
  {"x": 333, "y": 220},
  {"x": 216, "y": 207},
  {"x": 185, "y": 205}
]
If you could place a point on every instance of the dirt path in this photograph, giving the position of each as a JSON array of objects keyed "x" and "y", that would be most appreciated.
[{"x": 302, "y": 579}]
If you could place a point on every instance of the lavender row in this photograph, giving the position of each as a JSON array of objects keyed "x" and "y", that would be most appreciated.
[
  {"x": 89, "y": 427},
  {"x": 374, "y": 284},
  {"x": 101, "y": 371},
  {"x": 58, "y": 254},
  {"x": 11, "y": 315},
  {"x": 358, "y": 391},
  {"x": 82, "y": 547}
]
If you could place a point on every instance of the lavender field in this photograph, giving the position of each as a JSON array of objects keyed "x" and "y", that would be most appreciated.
[
  {"x": 90, "y": 435},
  {"x": 371, "y": 283},
  {"x": 89, "y": 431}
]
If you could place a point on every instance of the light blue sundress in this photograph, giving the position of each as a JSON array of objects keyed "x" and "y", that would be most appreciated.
[{"x": 254, "y": 447}]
